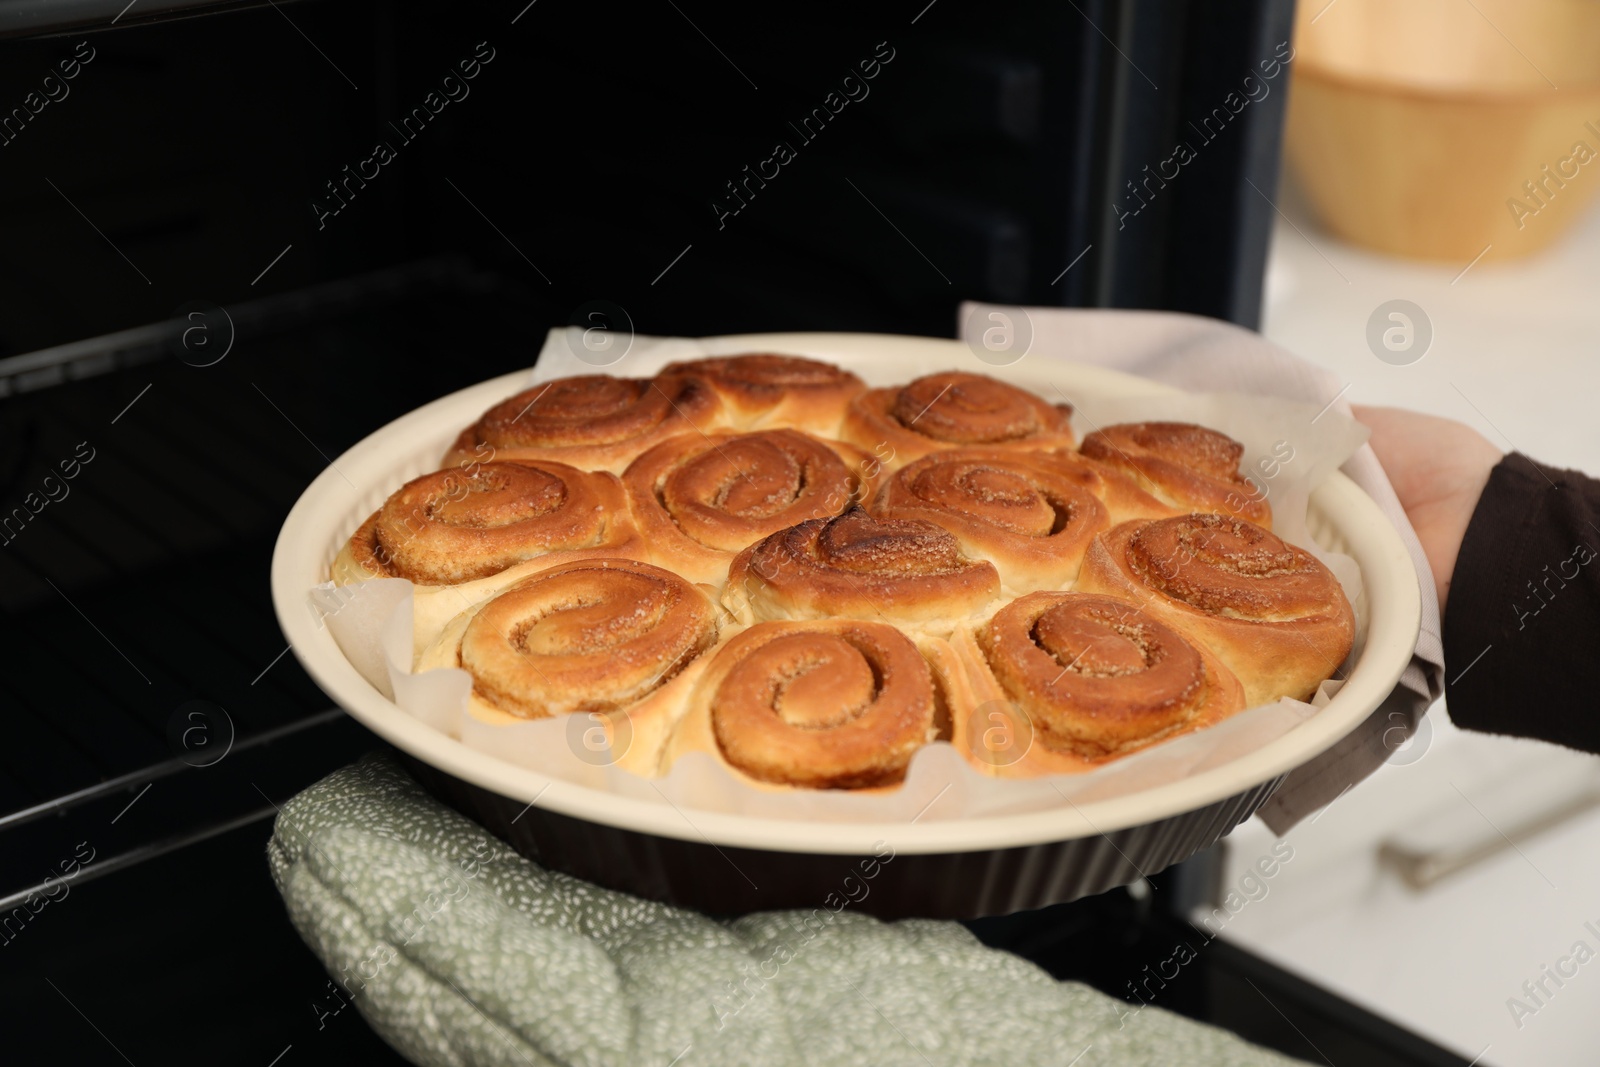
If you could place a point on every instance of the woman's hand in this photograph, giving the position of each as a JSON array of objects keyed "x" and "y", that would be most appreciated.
[{"x": 1438, "y": 468}]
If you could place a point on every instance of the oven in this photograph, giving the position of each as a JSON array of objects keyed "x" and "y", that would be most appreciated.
[{"x": 240, "y": 236}]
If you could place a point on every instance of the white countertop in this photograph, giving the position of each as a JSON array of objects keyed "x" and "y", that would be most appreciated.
[
  {"x": 1519, "y": 340},
  {"x": 1514, "y": 353}
]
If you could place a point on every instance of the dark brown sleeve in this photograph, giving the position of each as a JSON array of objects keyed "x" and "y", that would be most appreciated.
[{"x": 1522, "y": 623}]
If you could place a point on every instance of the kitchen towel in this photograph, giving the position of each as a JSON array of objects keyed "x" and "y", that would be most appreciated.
[
  {"x": 460, "y": 952},
  {"x": 1206, "y": 355}
]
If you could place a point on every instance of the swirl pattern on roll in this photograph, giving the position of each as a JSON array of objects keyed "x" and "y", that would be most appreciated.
[
  {"x": 1271, "y": 611},
  {"x": 1188, "y": 466},
  {"x": 593, "y": 421},
  {"x": 593, "y": 635},
  {"x": 458, "y": 525},
  {"x": 699, "y": 499},
  {"x": 906, "y": 571},
  {"x": 1227, "y": 566},
  {"x": 1023, "y": 511},
  {"x": 1098, "y": 677},
  {"x": 761, "y": 389},
  {"x": 827, "y": 705},
  {"x": 1121, "y": 494},
  {"x": 951, "y": 410}
]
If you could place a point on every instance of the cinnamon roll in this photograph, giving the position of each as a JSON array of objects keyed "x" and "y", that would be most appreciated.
[
  {"x": 463, "y": 534},
  {"x": 1067, "y": 680},
  {"x": 699, "y": 499},
  {"x": 594, "y": 421},
  {"x": 1187, "y": 466},
  {"x": 760, "y": 389},
  {"x": 1272, "y": 612},
  {"x": 1029, "y": 514},
  {"x": 904, "y": 571},
  {"x": 608, "y": 636},
  {"x": 829, "y": 704},
  {"x": 951, "y": 410},
  {"x": 458, "y": 525}
]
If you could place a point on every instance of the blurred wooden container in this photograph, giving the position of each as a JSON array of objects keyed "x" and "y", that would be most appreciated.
[{"x": 1434, "y": 128}]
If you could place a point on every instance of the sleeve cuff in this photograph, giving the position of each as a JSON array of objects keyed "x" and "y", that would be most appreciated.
[{"x": 1522, "y": 623}]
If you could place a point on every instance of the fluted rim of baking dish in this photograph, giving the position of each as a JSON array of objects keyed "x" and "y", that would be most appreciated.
[{"x": 300, "y": 561}]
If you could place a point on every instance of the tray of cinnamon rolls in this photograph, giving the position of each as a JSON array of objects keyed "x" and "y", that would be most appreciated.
[{"x": 710, "y": 629}]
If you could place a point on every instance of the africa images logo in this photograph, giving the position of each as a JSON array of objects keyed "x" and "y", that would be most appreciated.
[
  {"x": 852, "y": 88},
  {"x": 1254, "y": 90},
  {"x": 452, "y": 88}
]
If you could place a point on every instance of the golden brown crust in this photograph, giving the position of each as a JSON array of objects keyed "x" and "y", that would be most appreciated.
[
  {"x": 1121, "y": 494},
  {"x": 1031, "y": 514},
  {"x": 761, "y": 389},
  {"x": 593, "y": 421},
  {"x": 904, "y": 571},
  {"x": 699, "y": 499},
  {"x": 1187, "y": 466},
  {"x": 828, "y": 704},
  {"x": 1097, "y": 677},
  {"x": 1269, "y": 610},
  {"x": 459, "y": 525},
  {"x": 952, "y": 410},
  {"x": 595, "y": 635}
]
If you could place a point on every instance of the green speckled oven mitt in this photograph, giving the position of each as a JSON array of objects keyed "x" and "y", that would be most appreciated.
[{"x": 458, "y": 951}]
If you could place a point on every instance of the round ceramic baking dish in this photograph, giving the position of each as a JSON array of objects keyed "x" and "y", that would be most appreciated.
[{"x": 730, "y": 864}]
